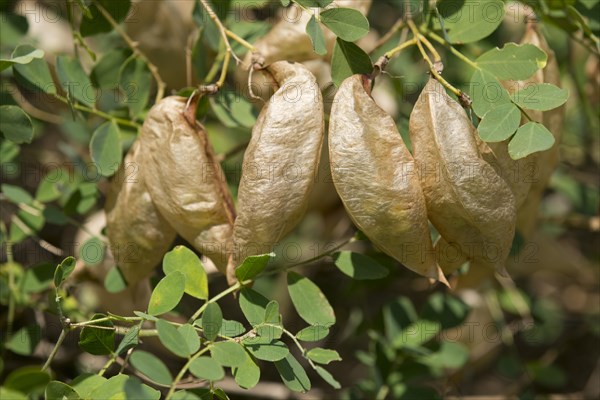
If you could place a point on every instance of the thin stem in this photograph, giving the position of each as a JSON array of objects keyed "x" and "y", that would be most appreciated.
[
  {"x": 432, "y": 50},
  {"x": 106, "y": 319},
  {"x": 61, "y": 338},
  {"x": 453, "y": 50},
  {"x": 107, "y": 365},
  {"x": 240, "y": 40},
  {"x": 183, "y": 371},
  {"x": 160, "y": 84},
  {"x": 221, "y": 80},
  {"x": 99, "y": 113},
  {"x": 224, "y": 293},
  {"x": 432, "y": 68},
  {"x": 400, "y": 47}
]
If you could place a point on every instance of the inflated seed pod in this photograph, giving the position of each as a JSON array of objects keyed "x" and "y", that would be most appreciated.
[
  {"x": 377, "y": 180},
  {"x": 280, "y": 162},
  {"x": 468, "y": 202},
  {"x": 186, "y": 181},
  {"x": 138, "y": 234}
]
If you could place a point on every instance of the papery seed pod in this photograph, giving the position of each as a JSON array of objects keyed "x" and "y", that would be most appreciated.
[
  {"x": 186, "y": 181},
  {"x": 467, "y": 201},
  {"x": 377, "y": 180},
  {"x": 139, "y": 236},
  {"x": 280, "y": 162}
]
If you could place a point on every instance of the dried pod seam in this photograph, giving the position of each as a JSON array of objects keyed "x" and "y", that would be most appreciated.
[
  {"x": 467, "y": 201},
  {"x": 280, "y": 162},
  {"x": 138, "y": 234},
  {"x": 186, "y": 181},
  {"x": 376, "y": 177}
]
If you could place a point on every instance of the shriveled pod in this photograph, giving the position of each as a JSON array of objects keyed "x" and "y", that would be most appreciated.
[
  {"x": 280, "y": 162},
  {"x": 138, "y": 234},
  {"x": 468, "y": 202},
  {"x": 376, "y": 178},
  {"x": 186, "y": 181}
]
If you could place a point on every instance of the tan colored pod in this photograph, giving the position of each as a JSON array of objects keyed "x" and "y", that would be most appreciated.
[
  {"x": 139, "y": 236},
  {"x": 376, "y": 178},
  {"x": 186, "y": 181},
  {"x": 467, "y": 201},
  {"x": 280, "y": 162}
]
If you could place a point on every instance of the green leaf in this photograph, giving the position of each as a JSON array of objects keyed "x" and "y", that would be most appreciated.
[
  {"x": 499, "y": 123},
  {"x": 447, "y": 309},
  {"x": 309, "y": 301},
  {"x": 16, "y": 194},
  {"x": 513, "y": 61},
  {"x": 34, "y": 75},
  {"x": 145, "y": 316},
  {"x": 347, "y": 23},
  {"x": 60, "y": 391},
  {"x": 417, "y": 333},
  {"x": 118, "y": 10},
  {"x": 135, "y": 81},
  {"x": 105, "y": 148},
  {"x": 98, "y": 341},
  {"x": 266, "y": 349},
  {"x": 312, "y": 333},
  {"x": 487, "y": 92},
  {"x": 171, "y": 338},
  {"x": 74, "y": 80},
  {"x": 247, "y": 374},
  {"x": 38, "y": 278},
  {"x": 125, "y": 387},
  {"x": 207, "y": 368},
  {"x": 327, "y": 377},
  {"x": 167, "y": 293},
  {"x": 8, "y": 393},
  {"x": 151, "y": 366},
  {"x": 540, "y": 96},
  {"x": 85, "y": 384},
  {"x": 474, "y": 21},
  {"x": 359, "y": 266},
  {"x": 187, "y": 262},
  {"x": 317, "y": 37},
  {"x": 348, "y": 59},
  {"x": 27, "y": 379},
  {"x": 228, "y": 354},
  {"x": 253, "y": 305},
  {"x": 292, "y": 374},
  {"x": 129, "y": 341},
  {"x": 252, "y": 266},
  {"x": 190, "y": 336},
  {"x": 63, "y": 270},
  {"x": 24, "y": 341},
  {"x": 212, "y": 319},
  {"x": 105, "y": 74},
  {"x": 323, "y": 356},
  {"x": 15, "y": 124},
  {"x": 114, "y": 282},
  {"x": 272, "y": 313},
  {"x": 92, "y": 251},
  {"x": 397, "y": 315},
  {"x": 24, "y": 59},
  {"x": 451, "y": 355},
  {"x": 233, "y": 110},
  {"x": 530, "y": 138}
]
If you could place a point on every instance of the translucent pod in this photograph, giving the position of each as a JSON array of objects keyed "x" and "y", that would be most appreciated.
[
  {"x": 280, "y": 162},
  {"x": 468, "y": 202},
  {"x": 377, "y": 179},
  {"x": 186, "y": 181},
  {"x": 138, "y": 234}
]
